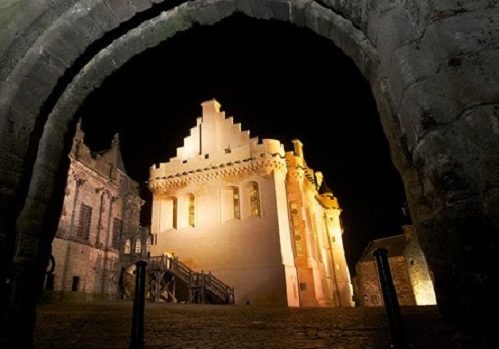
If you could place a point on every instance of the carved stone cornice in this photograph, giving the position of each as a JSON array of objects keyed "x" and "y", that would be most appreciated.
[
  {"x": 262, "y": 167},
  {"x": 81, "y": 173}
]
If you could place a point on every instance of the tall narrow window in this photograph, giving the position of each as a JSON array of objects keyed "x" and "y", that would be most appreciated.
[
  {"x": 230, "y": 205},
  {"x": 236, "y": 202},
  {"x": 167, "y": 213},
  {"x": 83, "y": 228},
  {"x": 293, "y": 207},
  {"x": 191, "y": 209},
  {"x": 253, "y": 197},
  {"x": 127, "y": 247},
  {"x": 138, "y": 246},
  {"x": 174, "y": 213},
  {"x": 117, "y": 226},
  {"x": 148, "y": 244}
]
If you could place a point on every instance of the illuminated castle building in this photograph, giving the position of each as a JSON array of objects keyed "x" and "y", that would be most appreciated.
[
  {"x": 100, "y": 214},
  {"x": 255, "y": 216}
]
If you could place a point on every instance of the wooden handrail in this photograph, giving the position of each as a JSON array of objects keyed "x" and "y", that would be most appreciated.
[{"x": 206, "y": 281}]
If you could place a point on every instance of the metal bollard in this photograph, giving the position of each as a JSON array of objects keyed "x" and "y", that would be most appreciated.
[
  {"x": 397, "y": 330},
  {"x": 137, "y": 340}
]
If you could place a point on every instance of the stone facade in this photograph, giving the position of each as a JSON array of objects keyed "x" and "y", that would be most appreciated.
[
  {"x": 254, "y": 215},
  {"x": 410, "y": 273},
  {"x": 100, "y": 214}
]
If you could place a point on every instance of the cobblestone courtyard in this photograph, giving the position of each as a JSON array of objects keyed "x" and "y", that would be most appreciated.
[{"x": 107, "y": 325}]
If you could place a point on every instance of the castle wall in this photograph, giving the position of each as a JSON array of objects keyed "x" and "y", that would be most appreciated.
[
  {"x": 204, "y": 213},
  {"x": 241, "y": 252}
]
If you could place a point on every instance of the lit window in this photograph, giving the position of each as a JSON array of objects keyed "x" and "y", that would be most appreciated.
[
  {"x": 127, "y": 247},
  {"x": 174, "y": 212},
  {"x": 138, "y": 246},
  {"x": 253, "y": 199},
  {"x": 192, "y": 209},
  {"x": 230, "y": 204},
  {"x": 235, "y": 200}
]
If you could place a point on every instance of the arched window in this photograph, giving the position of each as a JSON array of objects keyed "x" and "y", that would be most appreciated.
[
  {"x": 138, "y": 246},
  {"x": 230, "y": 204},
  {"x": 127, "y": 246},
  {"x": 148, "y": 244},
  {"x": 252, "y": 197}
]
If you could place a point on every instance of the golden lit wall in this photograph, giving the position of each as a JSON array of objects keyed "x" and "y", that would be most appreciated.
[{"x": 221, "y": 205}]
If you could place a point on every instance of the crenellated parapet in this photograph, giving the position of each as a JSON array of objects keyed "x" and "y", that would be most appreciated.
[{"x": 265, "y": 165}]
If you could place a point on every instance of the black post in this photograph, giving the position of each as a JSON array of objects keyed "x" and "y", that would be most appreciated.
[
  {"x": 397, "y": 331},
  {"x": 137, "y": 341}
]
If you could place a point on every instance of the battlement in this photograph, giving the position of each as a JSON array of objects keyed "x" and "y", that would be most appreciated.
[{"x": 268, "y": 148}]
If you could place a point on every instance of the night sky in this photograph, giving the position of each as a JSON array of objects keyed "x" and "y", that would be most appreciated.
[{"x": 279, "y": 82}]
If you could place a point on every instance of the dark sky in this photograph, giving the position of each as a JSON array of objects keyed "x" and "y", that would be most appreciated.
[{"x": 279, "y": 82}]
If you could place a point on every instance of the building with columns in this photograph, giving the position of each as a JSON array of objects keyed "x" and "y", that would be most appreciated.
[
  {"x": 255, "y": 216},
  {"x": 100, "y": 217}
]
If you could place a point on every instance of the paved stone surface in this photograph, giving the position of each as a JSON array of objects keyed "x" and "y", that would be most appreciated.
[{"x": 107, "y": 325}]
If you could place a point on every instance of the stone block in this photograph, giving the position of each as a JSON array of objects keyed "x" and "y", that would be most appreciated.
[
  {"x": 409, "y": 65},
  {"x": 298, "y": 12},
  {"x": 281, "y": 10},
  {"x": 351, "y": 10},
  {"x": 317, "y": 18},
  {"x": 463, "y": 33},
  {"x": 101, "y": 15},
  {"x": 425, "y": 106},
  {"x": 474, "y": 78},
  {"x": 61, "y": 47},
  {"x": 123, "y": 10},
  {"x": 140, "y": 5},
  {"x": 393, "y": 32},
  {"x": 202, "y": 13}
]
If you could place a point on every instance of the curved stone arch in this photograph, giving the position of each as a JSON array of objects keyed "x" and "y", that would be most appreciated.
[{"x": 423, "y": 109}]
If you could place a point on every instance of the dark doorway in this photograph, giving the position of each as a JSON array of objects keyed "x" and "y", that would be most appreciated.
[{"x": 75, "y": 286}]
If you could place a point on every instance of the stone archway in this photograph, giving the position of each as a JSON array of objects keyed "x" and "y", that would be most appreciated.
[{"x": 436, "y": 93}]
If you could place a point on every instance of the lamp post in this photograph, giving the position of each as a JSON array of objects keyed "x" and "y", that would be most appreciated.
[
  {"x": 137, "y": 338},
  {"x": 397, "y": 331}
]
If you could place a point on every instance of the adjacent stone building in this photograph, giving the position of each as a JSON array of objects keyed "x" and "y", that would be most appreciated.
[
  {"x": 100, "y": 217},
  {"x": 254, "y": 215},
  {"x": 410, "y": 273}
]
